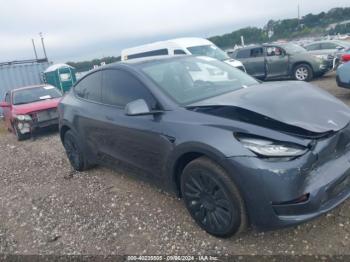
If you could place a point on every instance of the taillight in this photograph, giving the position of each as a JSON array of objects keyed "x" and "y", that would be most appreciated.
[{"x": 345, "y": 58}]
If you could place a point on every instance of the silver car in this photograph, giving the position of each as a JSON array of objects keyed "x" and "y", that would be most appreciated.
[{"x": 331, "y": 50}]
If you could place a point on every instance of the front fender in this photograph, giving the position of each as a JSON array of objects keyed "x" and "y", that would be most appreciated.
[{"x": 174, "y": 159}]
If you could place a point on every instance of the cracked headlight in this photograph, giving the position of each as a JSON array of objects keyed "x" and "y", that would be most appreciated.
[
  {"x": 23, "y": 117},
  {"x": 269, "y": 148}
]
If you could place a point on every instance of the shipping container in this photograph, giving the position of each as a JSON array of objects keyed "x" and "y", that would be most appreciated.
[{"x": 21, "y": 73}]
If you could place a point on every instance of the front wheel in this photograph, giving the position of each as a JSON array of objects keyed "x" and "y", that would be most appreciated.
[
  {"x": 303, "y": 72},
  {"x": 212, "y": 198}
]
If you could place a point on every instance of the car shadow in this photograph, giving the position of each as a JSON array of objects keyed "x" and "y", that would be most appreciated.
[{"x": 43, "y": 132}]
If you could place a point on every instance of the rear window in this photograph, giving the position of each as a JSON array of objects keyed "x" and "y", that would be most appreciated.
[
  {"x": 149, "y": 53},
  {"x": 313, "y": 47},
  {"x": 257, "y": 52},
  {"x": 90, "y": 87},
  {"x": 245, "y": 53},
  {"x": 179, "y": 52},
  {"x": 35, "y": 94},
  {"x": 328, "y": 46}
]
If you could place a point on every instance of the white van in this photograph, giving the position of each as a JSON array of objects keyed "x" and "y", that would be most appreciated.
[{"x": 181, "y": 46}]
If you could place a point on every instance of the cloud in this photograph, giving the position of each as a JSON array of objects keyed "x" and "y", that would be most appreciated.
[{"x": 81, "y": 29}]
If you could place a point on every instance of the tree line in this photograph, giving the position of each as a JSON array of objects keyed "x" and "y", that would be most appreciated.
[{"x": 308, "y": 25}]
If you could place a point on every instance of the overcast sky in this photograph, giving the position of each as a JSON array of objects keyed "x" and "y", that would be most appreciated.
[{"x": 84, "y": 29}]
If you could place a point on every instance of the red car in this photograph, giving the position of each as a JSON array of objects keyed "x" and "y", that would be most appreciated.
[{"x": 28, "y": 108}]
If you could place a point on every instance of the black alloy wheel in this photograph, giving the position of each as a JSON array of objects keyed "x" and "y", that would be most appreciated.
[{"x": 212, "y": 198}]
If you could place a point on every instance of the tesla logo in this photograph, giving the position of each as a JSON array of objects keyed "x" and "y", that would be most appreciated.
[{"x": 331, "y": 122}]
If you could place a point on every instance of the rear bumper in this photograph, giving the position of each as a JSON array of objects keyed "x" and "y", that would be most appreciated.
[{"x": 271, "y": 189}]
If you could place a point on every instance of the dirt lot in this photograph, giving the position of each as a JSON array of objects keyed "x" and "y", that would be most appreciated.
[{"x": 48, "y": 209}]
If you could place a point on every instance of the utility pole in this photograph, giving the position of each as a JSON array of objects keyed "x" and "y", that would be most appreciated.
[
  {"x": 242, "y": 40},
  {"x": 36, "y": 55},
  {"x": 298, "y": 15},
  {"x": 42, "y": 43}
]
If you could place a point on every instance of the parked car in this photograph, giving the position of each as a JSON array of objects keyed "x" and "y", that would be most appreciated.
[
  {"x": 343, "y": 75},
  {"x": 327, "y": 47},
  {"x": 276, "y": 61},
  {"x": 181, "y": 46},
  {"x": 330, "y": 50},
  {"x": 236, "y": 150},
  {"x": 28, "y": 108}
]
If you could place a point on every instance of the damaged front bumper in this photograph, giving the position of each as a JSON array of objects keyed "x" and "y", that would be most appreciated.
[
  {"x": 26, "y": 124},
  {"x": 285, "y": 193},
  {"x": 28, "y": 127}
]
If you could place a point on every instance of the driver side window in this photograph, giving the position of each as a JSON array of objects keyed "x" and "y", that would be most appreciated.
[
  {"x": 121, "y": 87},
  {"x": 273, "y": 51}
]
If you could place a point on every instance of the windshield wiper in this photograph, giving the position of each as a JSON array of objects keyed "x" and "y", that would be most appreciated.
[{"x": 21, "y": 103}]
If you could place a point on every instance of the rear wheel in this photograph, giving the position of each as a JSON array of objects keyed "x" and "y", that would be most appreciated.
[
  {"x": 212, "y": 198},
  {"x": 74, "y": 152},
  {"x": 303, "y": 72}
]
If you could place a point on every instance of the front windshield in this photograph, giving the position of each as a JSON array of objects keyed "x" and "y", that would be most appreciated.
[
  {"x": 191, "y": 79},
  {"x": 35, "y": 94},
  {"x": 293, "y": 48},
  {"x": 209, "y": 50}
]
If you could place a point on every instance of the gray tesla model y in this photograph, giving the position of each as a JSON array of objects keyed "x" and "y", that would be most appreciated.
[{"x": 239, "y": 152}]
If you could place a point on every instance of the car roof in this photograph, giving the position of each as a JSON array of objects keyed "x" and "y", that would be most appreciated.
[{"x": 190, "y": 41}]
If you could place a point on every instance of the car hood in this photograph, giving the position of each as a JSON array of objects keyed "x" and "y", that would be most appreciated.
[
  {"x": 35, "y": 106},
  {"x": 284, "y": 104}
]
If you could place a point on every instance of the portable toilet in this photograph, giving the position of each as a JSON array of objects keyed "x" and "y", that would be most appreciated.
[{"x": 61, "y": 76}]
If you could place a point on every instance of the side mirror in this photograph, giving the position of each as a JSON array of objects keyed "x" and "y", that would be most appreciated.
[
  {"x": 4, "y": 104},
  {"x": 137, "y": 107}
]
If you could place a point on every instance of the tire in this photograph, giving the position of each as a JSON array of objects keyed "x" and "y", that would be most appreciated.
[
  {"x": 303, "y": 72},
  {"x": 74, "y": 152},
  {"x": 212, "y": 198},
  {"x": 19, "y": 136}
]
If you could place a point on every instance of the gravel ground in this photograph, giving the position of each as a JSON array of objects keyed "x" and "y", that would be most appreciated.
[{"x": 48, "y": 209}]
